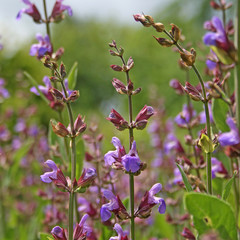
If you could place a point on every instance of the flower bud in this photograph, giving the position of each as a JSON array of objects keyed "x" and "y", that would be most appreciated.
[
  {"x": 119, "y": 122},
  {"x": 119, "y": 86},
  {"x": 188, "y": 57},
  {"x": 186, "y": 233},
  {"x": 130, "y": 86},
  {"x": 149, "y": 18},
  {"x": 116, "y": 68},
  {"x": 138, "y": 90},
  {"x": 215, "y": 5},
  {"x": 73, "y": 96},
  {"x": 141, "y": 124},
  {"x": 176, "y": 85},
  {"x": 142, "y": 19},
  {"x": 57, "y": 94},
  {"x": 112, "y": 44},
  {"x": 164, "y": 42},
  {"x": 79, "y": 125},
  {"x": 87, "y": 177},
  {"x": 59, "y": 129},
  {"x": 121, "y": 51},
  {"x": 145, "y": 113},
  {"x": 62, "y": 70},
  {"x": 113, "y": 53},
  {"x": 193, "y": 93},
  {"x": 159, "y": 27},
  {"x": 175, "y": 32},
  {"x": 130, "y": 64},
  {"x": 58, "y": 54}
]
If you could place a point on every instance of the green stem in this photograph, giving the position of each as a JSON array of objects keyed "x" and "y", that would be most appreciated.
[
  {"x": 131, "y": 176},
  {"x": 205, "y": 101},
  {"x": 46, "y": 20},
  {"x": 73, "y": 167},
  {"x": 2, "y": 213}
]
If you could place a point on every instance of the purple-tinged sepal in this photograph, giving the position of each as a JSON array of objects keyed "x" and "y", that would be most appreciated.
[
  {"x": 115, "y": 206},
  {"x": 193, "y": 92},
  {"x": 59, "y": 233},
  {"x": 119, "y": 122},
  {"x": 79, "y": 125},
  {"x": 32, "y": 11},
  {"x": 57, "y": 12},
  {"x": 59, "y": 129},
  {"x": 143, "y": 116},
  {"x": 119, "y": 86},
  {"x": 186, "y": 233},
  {"x": 73, "y": 96},
  {"x": 81, "y": 231},
  {"x": 122, "y": 235},
  {"x": 149, "y": 201},
  {"x": 142, "y": 19},
  {"x": 86, "y": 179}
]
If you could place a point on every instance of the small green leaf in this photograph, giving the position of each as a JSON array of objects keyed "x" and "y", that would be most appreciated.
[
  {"x": 44, "y": 236},
  {"x": 35, "y": 84},
  {"x": 72, "y": 76},
  {"x": 126, "y": 203},
  {"x": 185, "y": 180},
  {"x": 80, "y": 151},
  {"x": 222, "y": 55},
  {"x": 220, "y": 110},
  {"x": 209, "y": 212},
  {"x": 227, "y": 188}
]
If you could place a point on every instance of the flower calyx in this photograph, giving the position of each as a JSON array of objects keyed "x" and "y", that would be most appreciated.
[
  {"x": 193, "y": 92},
  {"x": 119, "y": 122},
  {"x": 187, "y": 57}
]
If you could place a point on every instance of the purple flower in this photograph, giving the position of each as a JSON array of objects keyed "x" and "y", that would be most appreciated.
[
  {"x": 232, "y": 137},
  {"x": 16, "y": 143},
  {"x": 20, "y": 126},
  {"x": 184, "y": 118},
  {"x": 122, "y": 235},
  {"x": 177, "y": 176},
  {"x": 32, "y": 11},
  {"x": 4, "y": 133},
  {"x": 172, "y": 143},
  {"x": 86, "y": 207},
  {"x": 48, "y": 176},
  {"x": 3, "y": 91},
  {"x": 33, "y": 131},
  {"x": 43, "y": 47},
  {"x": 149, "y": 201},
  {"x": 131, "y": 161},
  {"x": 115, "y": 205},
  {"x": 58, "y": 233},
  {"x": 58, "y": 9},
  {"x": 114, "y": 156},
  {"x": 218, "y": 36},
  {"x": 81, "y": 230},
  {"x": 87, "y": 177},
  {"x": 217, "y": 167}
]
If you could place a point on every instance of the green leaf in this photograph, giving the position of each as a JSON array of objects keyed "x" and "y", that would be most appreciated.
[
  {"x": 72, "y": 76},
  {"x": 227, "y": 188},
  {"x": 209, "y": 212},
  {"x": 220, "y": 110},
  {"x": 185, "y": 180},
  {"x": 222, "y": 55},
  {"x": 35, "y": 84},
  {"x": 45, "y": 236},
  {"x": 80, "y": 152},
  {"x": 126, "y": 203}
]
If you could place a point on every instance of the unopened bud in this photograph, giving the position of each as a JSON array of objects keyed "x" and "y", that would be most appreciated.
[
  {"x": 215, "y": 5},
  {"x": 138, "y": 90},
  {"x": 130, "y": 63},
  {"x": 193, "y": 93},
  {"x": 164, "y": 42},
  {"x": 121, "y": 51},
  {"x": 58, "y": 54},
  {"x": 140, "y": 125},
  {"x": 57, "y": 94},
  {"x": 142, "y": 19},
  {"x": 79, "y": 125},
  {"x": 113, "y": 53},
  {"x": 116, "y": 68},
  {"x": 112, "y": 44},
  {"x": 54, "y": 79},
  {"x": 130, "y": 86},
  {"x": 159, "y": 27},
  {"x": 186, "y": 233},
  {"x": 175, "y": 32},
  {"x": 145, "y": 113},
  {"x": 119, "y": 86},
  {"x": 59, "y": 129},
  {"x": 73, "y": 96},
  {"x": 62, "y": 70},
  {"x": 188, "y": 57}
]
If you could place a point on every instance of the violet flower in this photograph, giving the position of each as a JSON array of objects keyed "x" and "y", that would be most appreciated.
[
  {"x": 81, "y": 231},
  {"x": 217, "y": 167},
  {"x": 20, "y": 125},
  {"x": 115, "y": 205},
  {"x": 58, "y": 9},
  {"x": 3, "y": 91},
  {"x": 114, "y": 156},
  {"x": 177, "y": 176},
  {"x": 172, "y": 143},
  {"x": 86, "y": 207},
  {"x": 232, "y": 137},
  {"x": 59, "y": 233},
  {"x": 32, "y": 11},
  {"x": 217, "y": 37},
  {"x": 184, "y": 118},
  {"x": 48, "y": 176},
  {"x": 43, "y": 47},
  {"x": 122, "y": 235},
  {"x": 149, "y": 201},
  {"x": 131, "y": 161}
]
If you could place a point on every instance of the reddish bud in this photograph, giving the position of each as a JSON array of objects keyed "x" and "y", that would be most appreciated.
[
  {"x": 140, "y": 125},
  {"x": 130, "y": 63},
  {"x": 176, "y": 85},
  {"x": 60, "y": 181},
  {"x": 57, "y": 94},
  {"x": 119, "y": 86},
  {"x": 59, "y": 129},
  {"x": 88, "y": 157},
  {"x": 215, "y": 5},
  {"x": 116, "y": 68},
  {"x": 113, "y": 53},
  {"x": 73, "y": 96},
  {"x": 192, "y": 92},
  {"x": 186, "y": 233},
  {"x": 79, "y": 125},
  {"x": 145, "y": 113},
  {"x": 58, "y": 54},
  {"x": 62, "y": 70},
  {"x": 119, "y": 122},
  {"x": 142, "y": 19},
  {"x": 138, "y": 90},
  {"x": 112, "y": 44},
  {"x": 87, "y": 177}
]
